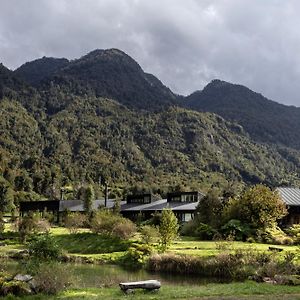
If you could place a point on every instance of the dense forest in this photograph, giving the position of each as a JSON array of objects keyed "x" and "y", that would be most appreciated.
[{"x": 67, "y": 123}]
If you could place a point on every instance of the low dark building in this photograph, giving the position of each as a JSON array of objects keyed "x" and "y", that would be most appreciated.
[
  {"x": 183, "y": 204},
  {"x": 39, "y": 206},
  {"x": 59, "y": 206},
  {"x": 291, "y": 197}
]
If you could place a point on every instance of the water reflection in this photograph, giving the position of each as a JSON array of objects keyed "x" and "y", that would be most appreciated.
[{"x": 89, "y": 276}]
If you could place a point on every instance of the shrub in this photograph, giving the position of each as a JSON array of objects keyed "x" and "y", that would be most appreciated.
[
  {"x": 189, "y": 228},
  {"x": 44, "y": 247},
  {"x": 74, "y": 221},
  {"x": 15, "y": 288},
  {"x": 274, "y": 235},
  {"x": 124, "y": 229},
  {"x": 205, "y": 232},
  {"x": 107, "y": 223},
  {"x": 294, "y": 232},
  {"x": 237, "y": 228},
  {"x": 149, "y": 234},
  {"x": 26, "y": 226},
  {"x": 136, "y": 256},
  {"x": 52, "y": 278},
  {"x": 42, "y": 226}
]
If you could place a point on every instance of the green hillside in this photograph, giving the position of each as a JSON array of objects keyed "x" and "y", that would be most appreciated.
[
  {"x": 265, "y": 120},
  {"x": 64, "y": 132}
]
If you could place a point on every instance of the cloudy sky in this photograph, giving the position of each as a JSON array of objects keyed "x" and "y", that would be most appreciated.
[{"x": 184, "y": 43}]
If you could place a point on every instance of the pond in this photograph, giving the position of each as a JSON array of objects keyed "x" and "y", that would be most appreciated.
[{"x": 89, "y": 276}]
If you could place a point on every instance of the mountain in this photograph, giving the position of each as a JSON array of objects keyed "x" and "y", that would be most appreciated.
[
  {"x": 38, "y": 70},
  {"x": 102, "y": 116},
  {"x": 102, "y": 73},
  {"x": 265, "y": 120}
]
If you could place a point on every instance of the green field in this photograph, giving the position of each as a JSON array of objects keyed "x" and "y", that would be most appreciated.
[{"x": 247, "y": 290}]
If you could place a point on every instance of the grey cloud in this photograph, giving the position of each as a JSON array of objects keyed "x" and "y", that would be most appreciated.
[{"x": 184, "y": 43}]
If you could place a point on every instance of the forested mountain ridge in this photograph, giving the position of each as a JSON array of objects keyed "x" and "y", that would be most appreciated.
[
  {"x": 265, "y": 120},
  {"x": 102, "y": 73},
  {"x": 38, "y": 70},
  {"x": 62, "y": 131}
]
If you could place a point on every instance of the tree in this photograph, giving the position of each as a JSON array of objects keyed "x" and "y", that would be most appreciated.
[
  {"x": 6, "y": 197},
  {"x": 168, "y": 228},
  {"x": 258, "y": 206},
  {"x": 89, "y": 198},
  {"x": 209, "y": 209}
]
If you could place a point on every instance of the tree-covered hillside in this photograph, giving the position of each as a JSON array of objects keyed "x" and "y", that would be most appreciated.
[
  {"x": 265, "y": 120},
  {"x": 63, "y": 131},
  {"x": 102, "y": 73}
]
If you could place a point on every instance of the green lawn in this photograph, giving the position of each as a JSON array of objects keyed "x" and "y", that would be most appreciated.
[
  {"x": 85, "y": 243},
  {"x": 188, "y": 245},
  {"x": 246, "y": 290}
]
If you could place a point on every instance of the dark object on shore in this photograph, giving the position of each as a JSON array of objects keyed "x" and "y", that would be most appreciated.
[
  {"x": 150, "y": 285},
  {"x": 275, "y": 249}
]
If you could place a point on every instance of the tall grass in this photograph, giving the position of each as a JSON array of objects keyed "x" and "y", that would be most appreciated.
[{"x": 235, "y": 266}]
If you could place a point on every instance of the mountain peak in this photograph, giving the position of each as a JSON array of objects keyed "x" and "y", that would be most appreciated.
[{"x": 37, "y": 70}]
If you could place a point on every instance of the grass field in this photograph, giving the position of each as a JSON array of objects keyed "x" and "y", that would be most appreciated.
[
  {"x": 95, "y": 246},
  {"x": 246, "y": 290}
]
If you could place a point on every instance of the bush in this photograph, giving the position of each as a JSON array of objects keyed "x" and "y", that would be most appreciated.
[
  {"x": 42, "y": 226},
  {"x": 52, "y": 278},
  {"x": 136, "y": 256},
  {"x": 274, "y": 235},
  {"x": 26, "y": 226},
  {"x": 107, "y": 223},
  {"x": 125, "y": 229},
  {"x": 205, "y": 232},
  {"x": 149, "y": 234},
  {"x": 189, "y": 228},
  {"x": 294, "y": 233},
  {"x": 44, "y": 247},
  {"x": 235, "y": 227},
  {"x": 15, "y": 287},
  {"x": 74, "y": 221}
]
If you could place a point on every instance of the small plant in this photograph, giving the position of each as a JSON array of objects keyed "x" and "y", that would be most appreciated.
[{"x": 43, "y": 247}]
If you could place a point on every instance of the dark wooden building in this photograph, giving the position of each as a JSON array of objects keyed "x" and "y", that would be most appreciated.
[{"x": 291, "y": 197}]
